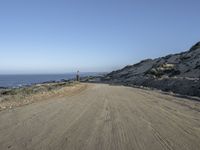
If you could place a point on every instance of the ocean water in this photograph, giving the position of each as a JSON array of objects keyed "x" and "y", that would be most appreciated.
[{"x": 22, "y": 80}]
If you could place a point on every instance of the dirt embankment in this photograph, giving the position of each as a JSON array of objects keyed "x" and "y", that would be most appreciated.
[{"x": 10, "y": 98}]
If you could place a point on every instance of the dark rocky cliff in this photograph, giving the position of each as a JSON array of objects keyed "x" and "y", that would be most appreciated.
[{"x": 179, "y": 73}]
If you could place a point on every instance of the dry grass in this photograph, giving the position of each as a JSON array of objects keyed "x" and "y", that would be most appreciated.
[{"x": 10, "y": 98}]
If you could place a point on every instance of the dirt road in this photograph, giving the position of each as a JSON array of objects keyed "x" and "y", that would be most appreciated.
[{"x": 103, "y": 117}]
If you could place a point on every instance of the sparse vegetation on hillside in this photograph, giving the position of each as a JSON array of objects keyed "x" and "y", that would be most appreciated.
[{"x": 178, "y": 73}]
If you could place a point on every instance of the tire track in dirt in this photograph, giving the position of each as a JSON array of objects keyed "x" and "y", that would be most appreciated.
[{"x": 103, "y": 117}]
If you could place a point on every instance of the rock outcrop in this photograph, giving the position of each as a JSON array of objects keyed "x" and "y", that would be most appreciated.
[{"x": 179, "y": 73}]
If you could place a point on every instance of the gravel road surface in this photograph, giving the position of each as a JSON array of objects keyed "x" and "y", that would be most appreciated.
[{"x": 103, "y": 117}]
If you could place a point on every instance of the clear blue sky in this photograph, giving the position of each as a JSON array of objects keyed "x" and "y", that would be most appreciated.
[{"x": 58, "y": 36}]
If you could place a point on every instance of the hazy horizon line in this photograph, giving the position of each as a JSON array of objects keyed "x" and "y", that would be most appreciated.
[{"x": 49, "y": 73}]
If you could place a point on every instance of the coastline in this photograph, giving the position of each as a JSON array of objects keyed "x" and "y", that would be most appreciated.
[{"x": 23, "y": 80}]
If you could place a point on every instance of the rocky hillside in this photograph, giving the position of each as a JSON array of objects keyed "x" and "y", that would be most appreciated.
[{"x": 179, "y": 73}]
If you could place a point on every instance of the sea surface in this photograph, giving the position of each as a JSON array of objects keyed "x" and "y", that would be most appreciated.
[{"x": 22, "y": 80}]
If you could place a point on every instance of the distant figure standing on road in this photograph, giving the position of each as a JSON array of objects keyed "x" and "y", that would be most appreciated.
[{"x": 77, "y": 76}]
